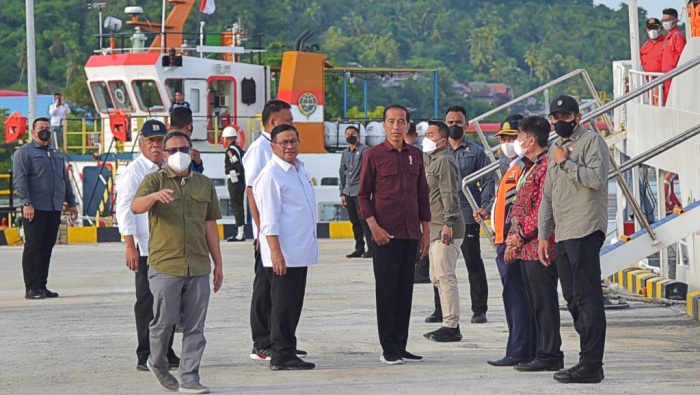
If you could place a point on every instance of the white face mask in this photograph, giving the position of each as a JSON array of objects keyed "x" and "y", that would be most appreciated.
[
  {"x": 508, "y": 150},
  {"x": 179, "y": 161},
  {"x": 518, "y": 147},
  {"x": 428, "y": 145},
  {"x": 669, "y": 25},
  {"x": 653, "y": 34}
]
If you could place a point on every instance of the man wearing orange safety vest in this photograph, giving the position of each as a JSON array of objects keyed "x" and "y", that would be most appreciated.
[
  {"x": 693, "y": 9},
  {"x": 652, "y": 50},
  {"x": 521, "y": 341},
  {"x": 673, "y": 45}
]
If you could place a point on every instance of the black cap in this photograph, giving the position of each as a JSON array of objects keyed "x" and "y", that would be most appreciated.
[
  {"x": 653, "y": 23},
  {"x": 153, "y": 128},
  {"x": 564, "y": 104}
]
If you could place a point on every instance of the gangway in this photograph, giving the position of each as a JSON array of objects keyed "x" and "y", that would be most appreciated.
[
  {"x": 640, "y": 245},
  {"x": 652, "y": 237}
]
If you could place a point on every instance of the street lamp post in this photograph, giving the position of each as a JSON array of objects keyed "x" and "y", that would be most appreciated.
[{"x": 98, "y": 7}]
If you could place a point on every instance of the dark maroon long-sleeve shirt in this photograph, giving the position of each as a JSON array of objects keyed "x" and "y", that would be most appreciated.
[{"x": 394, "y": 190}]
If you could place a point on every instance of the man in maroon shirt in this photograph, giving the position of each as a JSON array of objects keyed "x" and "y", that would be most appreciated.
[{"x": 394, "y": 201}]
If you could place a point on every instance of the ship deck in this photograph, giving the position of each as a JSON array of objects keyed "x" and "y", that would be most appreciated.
[{"x": 84, "y": 342}]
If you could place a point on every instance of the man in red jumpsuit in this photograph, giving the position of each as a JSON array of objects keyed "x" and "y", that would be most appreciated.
[{"x": 673, "y": 45}]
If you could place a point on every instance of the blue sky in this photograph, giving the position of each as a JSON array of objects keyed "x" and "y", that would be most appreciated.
[{"x": 653, "y": 7}]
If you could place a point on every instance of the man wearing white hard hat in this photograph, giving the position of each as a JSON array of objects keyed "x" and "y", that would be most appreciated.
[{"x": 233, "y": 167}]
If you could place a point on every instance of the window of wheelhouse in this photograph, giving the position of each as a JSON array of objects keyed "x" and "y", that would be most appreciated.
[
  {"x": 120, "y": 95},
  {"x": 147, "y": 95},
  {"x": 173, "y": 85},
  {"x": 102, "y": 98}
]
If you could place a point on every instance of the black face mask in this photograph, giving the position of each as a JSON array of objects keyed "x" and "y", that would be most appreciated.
[
  {"x": 565, "y": 128},
  {"x": 44, "y": 135},
  {"x": 351, "y": 139},
  {"x": 456, "y": 132}
]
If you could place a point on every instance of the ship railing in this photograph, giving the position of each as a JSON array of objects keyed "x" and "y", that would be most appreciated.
[
  {"x": 654, "y": 97},
  {"x": 599, "y": 110}
]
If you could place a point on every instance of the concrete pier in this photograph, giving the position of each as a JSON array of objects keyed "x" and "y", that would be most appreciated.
[{"x": 84, "y": 342}]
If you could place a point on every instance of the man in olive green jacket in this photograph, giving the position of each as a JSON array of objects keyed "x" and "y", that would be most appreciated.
[{"x": 446, "y": 227}]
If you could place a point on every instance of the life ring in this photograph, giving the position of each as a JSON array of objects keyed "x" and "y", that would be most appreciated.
[
  {"x": 671, "y": 199},
  {"x": 119, "y": 95}
]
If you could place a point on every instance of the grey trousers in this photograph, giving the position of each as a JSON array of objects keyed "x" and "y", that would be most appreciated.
[{"x": 169, "y": 294}]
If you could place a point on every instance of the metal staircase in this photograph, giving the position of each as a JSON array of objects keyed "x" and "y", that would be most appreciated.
[{"x": 651, "y": 238}]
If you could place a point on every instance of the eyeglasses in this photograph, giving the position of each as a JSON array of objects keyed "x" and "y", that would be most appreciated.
[
  {"x": 173, "y": 151},
  {"x": 287, "y": 143}
]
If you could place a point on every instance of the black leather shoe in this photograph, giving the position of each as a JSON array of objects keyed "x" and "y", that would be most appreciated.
[
  {"x": 446, "y": 335},
  {"x": 507, "y": 361},
  {"x": 292, "y": 364},
  {"x": 479, "y": 318},
  {"x": 34, "y": 294},
  {"x": 435, "y": 317},
  {"x": 50, "y": 294},
  {"x": 580, "y": 374},
  {"x": 367, "y": 254},
  {"x": 173, "y": 363},
  {"x": 355, "y": 254},
  {"x": 539, "y": 366},
  {"x": 142, "y": 367}
]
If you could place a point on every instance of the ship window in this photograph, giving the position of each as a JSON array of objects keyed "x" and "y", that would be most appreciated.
[
  {"x": 147, "y": 95},
  {"x": 174, "y": 85},
  {"x": 102, "y": 98},
  {"x": 193, "y": 98},
  {"x": 332, "y": 212},
  {"x": 120, "y": 95}
]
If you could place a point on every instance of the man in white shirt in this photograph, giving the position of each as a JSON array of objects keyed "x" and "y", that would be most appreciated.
[
  {"x": 59, "y": 110},
  {"x": 134, "y": 228},
  {"x": 288, "y": 245},
  {"x": 275, "y": 113}
]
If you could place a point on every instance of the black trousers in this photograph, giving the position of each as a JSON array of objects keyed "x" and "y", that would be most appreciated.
[
  {"x": 236, "y": 192},
  {"x": 287, "y": 296},
  {"x": 578, "y": 263},
  {"x": 360, "y": 229},
  {"x": 143, "y": 312},
  {"x": 394, "y": 267},
  {"x": 522, "y": 339},
  {"x": 423, "y": 265},
  {"x": 541, "y": 285},
  {"x": 39, "y": 239},
  {"x": 478, "y": 286},
  {"x": 260, "y": 305}
]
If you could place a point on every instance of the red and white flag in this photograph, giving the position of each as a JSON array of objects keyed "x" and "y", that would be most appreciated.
[{"x": 207, "y": 6}]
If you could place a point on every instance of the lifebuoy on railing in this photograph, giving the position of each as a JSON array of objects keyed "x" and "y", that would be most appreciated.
[
  {"x": 15, "y": 127},
  {"x": 120, "y": 124}
]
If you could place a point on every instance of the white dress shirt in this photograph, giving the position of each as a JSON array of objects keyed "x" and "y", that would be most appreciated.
[
  {"x": 287, "y": 206},
  {"x": 258, "y": 155},
  {"x": 58, "y": 114},
  {"x": 128, "y": 182}
]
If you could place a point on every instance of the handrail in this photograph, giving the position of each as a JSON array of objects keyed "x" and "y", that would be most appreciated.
[
  {"x": 595, "y": 113},
  {"x": 605, "y": 108},
  {"x": 656, "y": 150}
]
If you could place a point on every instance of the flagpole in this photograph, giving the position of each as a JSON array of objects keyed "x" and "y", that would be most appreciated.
[
  {"x": 31, "y": 61},
  {"x": 162, "y": 29}
]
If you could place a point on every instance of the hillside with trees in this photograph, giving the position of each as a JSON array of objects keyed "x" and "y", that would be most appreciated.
[{"x": 522, "y": 44}]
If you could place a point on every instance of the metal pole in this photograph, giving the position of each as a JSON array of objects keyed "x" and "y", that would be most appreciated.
[
  {"x": 364, "y": 99},
  {"x": 435, "y": 93},
  {"x": 345, "y": 95},
  {"x": 31, "y": 61},
  {"x": 162, "y": 30},
  {"x": 634, "y": 34},
  {"x": 475, "y": 208},
  {"x": 99, "y": 16}
]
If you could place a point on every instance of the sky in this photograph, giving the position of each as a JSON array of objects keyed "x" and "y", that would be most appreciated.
[{"x": 653, "y": 7}]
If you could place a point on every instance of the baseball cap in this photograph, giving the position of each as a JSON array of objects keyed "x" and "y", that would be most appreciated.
[
  {"x": 509, "y": 128},
  {"x": 153, "y": 128},
  {"x": 654, "y": 22},
  {"x": 229, "y": 131},
  {"x": 564, "y": 104}
]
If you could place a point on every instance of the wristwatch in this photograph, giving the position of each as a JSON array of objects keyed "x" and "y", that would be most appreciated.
[
  {"x": 449, "y": 222},
  {"x": 561, "y": 165}
]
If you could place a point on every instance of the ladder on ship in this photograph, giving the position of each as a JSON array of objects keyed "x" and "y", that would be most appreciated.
[{"x": 651, "y": 238}]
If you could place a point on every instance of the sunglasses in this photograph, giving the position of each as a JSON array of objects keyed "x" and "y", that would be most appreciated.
[{"x": 173, "y": 151}]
